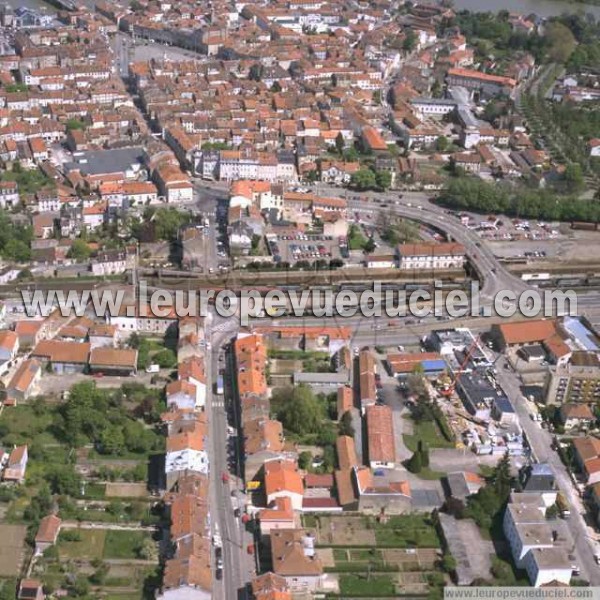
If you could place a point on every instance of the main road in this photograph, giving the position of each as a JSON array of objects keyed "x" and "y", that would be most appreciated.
[
  {"x": 540, "y": 442},
  {"x": 237, "y": 566}
]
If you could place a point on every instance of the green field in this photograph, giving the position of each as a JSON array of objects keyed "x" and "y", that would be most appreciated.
[
  {"x": 407, "y": 531},
  {"x": 428, "y": 432},
  {"x": 89, "y": 546},
  {"x": 363, "y": 585},
  {"x": 123, "y": 544}
]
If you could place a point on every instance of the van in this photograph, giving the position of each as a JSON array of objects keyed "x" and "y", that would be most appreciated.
[{"x": 153, "y": 368}]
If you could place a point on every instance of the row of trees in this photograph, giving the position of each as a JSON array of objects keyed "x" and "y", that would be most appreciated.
[{"x": 473, "y": 194}]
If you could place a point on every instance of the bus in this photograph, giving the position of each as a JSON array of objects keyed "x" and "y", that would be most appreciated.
[{"x": 220, "y": 389}]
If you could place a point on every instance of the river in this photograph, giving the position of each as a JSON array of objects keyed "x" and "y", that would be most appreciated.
[{"x": 543, "y": 8}]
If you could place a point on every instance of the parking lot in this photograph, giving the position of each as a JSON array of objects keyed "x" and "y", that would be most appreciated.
[{"x": 304, "y": 247}]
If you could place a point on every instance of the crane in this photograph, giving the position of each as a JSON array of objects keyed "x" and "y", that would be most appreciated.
[{"x": 450, "y": 389}]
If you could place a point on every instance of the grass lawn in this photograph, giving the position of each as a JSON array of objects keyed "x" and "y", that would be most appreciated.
[
  {"x": 90, "y": 546},
  {"x": 407, "y": 531},
  {"x": 360, "y": 585},
  {"x": 429, "y": 433},
  {"x": 123, "y": 544},
  {"x": 132, "y": 596}
]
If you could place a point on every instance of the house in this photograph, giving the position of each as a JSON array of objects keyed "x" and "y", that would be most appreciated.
[
  {"x": 345, "y": 400},
  {"x": 295, "y": 559},
  {"x": 270, "y": 587},
  {"x": 113, "y": 361},
  {"x": 16, "y": 465},
  {"x": 112, "y": 262},
  {"x": 523, "y": 333},
  {"x": 539, "y": 479},
  {"x": 594, "y": 147},
  {"x": 576, "y": 415},
  {"x": 279, "y": 515},
  {"x": 189, "y": 578},
  {"x": 30, "y": 589},
  {"x": 9, "y": 194},
  {"x": 191, "y": 370},
  {"x": 101, "y": 335},
  {"x": 182, "y": 395},
  {"x": 462, "y": 484},
  {"x": 381, "y": 498},
  {"x": 282, "y": 479},
  {"x": 24, "y": 383},
  {"x": 9, "y": 345},
  {"x": 63, "y": 357},
  {"x": 382, "y": 261},
  {"x": 587, "y": 456},
  {"x": 548, "y": 566},
  {"x": 47, "y": 533},
  {"x": 380, "y": 437},
  {"x": 30, "y": 333}
]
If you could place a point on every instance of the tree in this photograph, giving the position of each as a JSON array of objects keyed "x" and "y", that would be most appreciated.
[
  {"x": 305, "y": 460},
  {"x": 98, "y": 577},
  {"x": 560, "y": 42},
  {"x": 255, "y": 73},
  {"x": 410, "y": 41},
  {"x": 340, "y": 143},
  {"x": 363, "y": 179},
  {"x": 299, "y": 411},
  {"x": 441, "y": 144},
  {"x": 8, "y": 591},
  {"x": 414, "y": 464},
  {"x": 112, "y": 440},
  {"x": 369, "y": 245},
  {"x": 73, "y": 124},
  {"x": 502, "y": 478},
  {"x": 448, "y": 563},
  {"x": 345, "y": 426},
  {"x": 147, "y": 549},
  {"x": 165, "y": 359},
  {"x": 424, "y": 452},
  {"x": 574, "y": 177},
  {"x": 276, "y": 87},
  {"x": 168, "y": 222},
  {"x": 63, "y": 479},
  {"x": 383, "y": 180},
  {"x": 79, "y": 250},
  {"x": 135, "y": 5}
]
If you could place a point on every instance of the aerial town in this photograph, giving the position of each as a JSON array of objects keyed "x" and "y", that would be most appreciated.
[{"x": 297, "y": 145}]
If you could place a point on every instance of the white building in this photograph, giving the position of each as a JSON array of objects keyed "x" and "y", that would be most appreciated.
[
  {"x": 548, "y": 565},
  {"x": 448, "y": 255}
]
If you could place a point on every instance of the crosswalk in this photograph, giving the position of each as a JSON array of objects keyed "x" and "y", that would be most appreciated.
[
  {"x": 225, "y": 326},
  {"x": 218, "y": 404}
]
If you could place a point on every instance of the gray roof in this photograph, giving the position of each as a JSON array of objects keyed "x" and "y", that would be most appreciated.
[
  {"x": 321, "y": 378},
  {"x": 98, "y": 162}
]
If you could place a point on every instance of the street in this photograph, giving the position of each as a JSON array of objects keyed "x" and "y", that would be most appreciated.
[
  {"x": 540, "y": 441},
  {"x": 236, "y": 562}
]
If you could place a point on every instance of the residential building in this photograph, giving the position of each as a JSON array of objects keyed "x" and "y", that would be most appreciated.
[
  {"x": 113, "y": 361},
  {"x": 380, "y": 437},
  {"x": 296, "y": 560},
  {"x": 15, "y": 469},
  {"x": 24, "y": 383},
  {"x": 448, "y": 255},
  {"x": 47, "y": 533}
]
